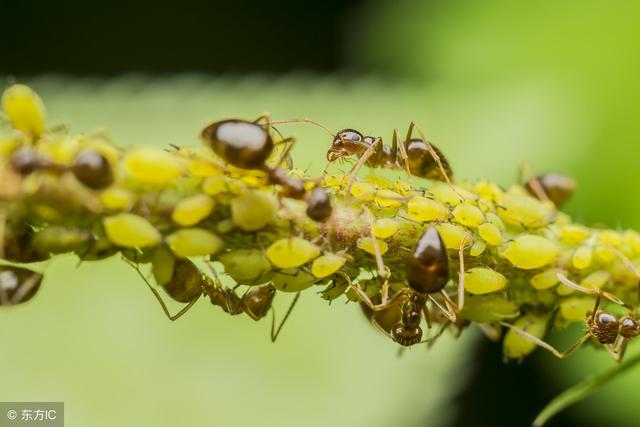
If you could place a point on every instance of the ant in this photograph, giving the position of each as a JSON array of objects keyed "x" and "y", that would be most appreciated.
[
  {"x": 427, "y": 274},
  {"x": 188, "y": 283},
  {"x": 248, "y": 145},
  {"x": 549, "y": 186},
  {"x": 18, "y": 285},
  {"x": 417, "y": 156},
  {"x": 611, "y": 332}
]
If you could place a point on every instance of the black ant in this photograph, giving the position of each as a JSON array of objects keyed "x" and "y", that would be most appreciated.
[
  {"x": 188, "y": 283},
  {"x": 248, "y": 145},
  {"x": 613, "y": 333},
  {"x": 427, "y": 274},
  {"x": 18, "y": 285}
]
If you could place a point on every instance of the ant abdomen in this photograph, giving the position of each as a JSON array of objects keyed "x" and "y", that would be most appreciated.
[
  {"x": 428, "y": 266},
  {"x": 243, "y": 144},
  {"x": 421, "y": 161}
]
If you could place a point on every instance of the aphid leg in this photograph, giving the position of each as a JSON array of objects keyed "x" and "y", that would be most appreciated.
[
  {"x": 433, "y": 153},
  {"x": 534, "y": 183},
  {"x": 356, "y": 168},
  {"x": 274, "y": 335},
  {"x": 611, "y": 297},
  {"x": 170, "y": 316},
  {"x": 365, "y": 298},
  {"x": 537, "y": 341}
]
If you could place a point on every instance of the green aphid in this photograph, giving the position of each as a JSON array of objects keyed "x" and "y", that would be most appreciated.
[
  {"x": 60, "y": 239},
  {"x": 247, "y": 266}
]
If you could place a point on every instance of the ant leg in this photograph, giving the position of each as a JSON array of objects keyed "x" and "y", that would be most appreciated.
[
  {"x": 431, "y": 340},
  {"x": 432, "y": 151},
  {"x": 614, "y": 299},
  {"x": 264, "y": 116},
  {"x": 170, "y": 316},
  {"x": 627, "y": 262},
  {"x": 274, "y": 336},
  {"x": 534, "y": 183},
  {"x": 448, "y": 309},
  {"x": 365, "y": 298},
  {"x": 427, "y": 315},
  {"x": 461, "y": 275},
  {"x": 537, "y": 341},
  {"x": 398, "y": 147},
  {"x": 382, "y": 269},
  {"x": 26, "y": 287},
  {"x": 356, "y": 168}
]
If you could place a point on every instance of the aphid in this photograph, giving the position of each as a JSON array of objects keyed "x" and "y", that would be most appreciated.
[
  {"x": 613, "y": 333},
  {"x": 18, "y": 285},
  {"x": 248, "y": 145},
  {"x": 549, "y": 186},
  {"x": 188, "y": 283},
  {"x": 427, "y": 274}
]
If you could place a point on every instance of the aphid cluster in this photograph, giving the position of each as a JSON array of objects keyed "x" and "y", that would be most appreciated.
[{"x": 416, "y": 251}]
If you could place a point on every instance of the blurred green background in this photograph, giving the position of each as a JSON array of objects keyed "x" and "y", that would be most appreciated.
[{"x": 493, "y": 83}]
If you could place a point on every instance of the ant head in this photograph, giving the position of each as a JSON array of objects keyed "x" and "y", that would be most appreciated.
[
  {"x": 629, "y": 327},
  {"x": 342, "y": 142},
  {"x": 604, "y": 327}
]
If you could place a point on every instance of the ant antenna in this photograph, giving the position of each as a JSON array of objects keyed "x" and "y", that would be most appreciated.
[{"x": 304, "y": 120}]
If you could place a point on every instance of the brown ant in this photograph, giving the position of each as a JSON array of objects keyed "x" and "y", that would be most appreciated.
[
  {"x": 611, "y": 332},
  {"x": 248, "y": 145},
  {"x": 188, "y": 283},
  {"x": 427, "y": 274},
  {"x": 18, "y": 285}
]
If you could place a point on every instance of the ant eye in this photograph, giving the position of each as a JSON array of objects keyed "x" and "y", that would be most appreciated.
[
  {"x": 628, "y": 322},
  {"x": 606, "y": 319}
]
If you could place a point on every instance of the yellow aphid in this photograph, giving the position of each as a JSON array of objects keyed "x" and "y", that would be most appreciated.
[
  {"x": 610, "y": 237},
  {"x": 291, "y": 252},
  {"x": 494, "y": 219},
  {"x": 516, "y": 346},
  {"x": 152, "y": 165},
  {"x": 326, "y": 265},
  {"x": 366, "y": 244},
  {"x": 190, "y": 242},
  {"x": 378, "y": 181},
  {"x": 25, "y": 109},
  {"x": 547, "y": 279},
  {"x": 214, "y": 185},
  {"x": 575, "y": 308},
  {"x": 490, "y": 233},
  {"x": 488, "y": 190},
  {"x": 452, "y": 235},
  {"x": 130, "y": 231},
  {"x": 363, "y": 191},
  {"x": 224, "y": 226},
  {"x": 292, "y": 280},
  {"x": 423, "y": 209},
  {"x": 468, "y": 214},
  {"x": 632, "y": 240},
  {"x": 47, "y": 213},
  {"x": 403, "y": 187},
  {"x": 481, "y": 281},
  {"x": 203, "y": 169},
  {"x": 489, "y": 308},
  {"x": 192, "y": 210},
  {"x": 116, "y": 198},
  {"x": 564, "y": 290},
  {"x": 253, "y": 210},
  {"x": 60, "y": 149},
  {"x": 445, "y": 193},
  {"x": 385, "y": 227},
  {"x": 247, "y": 266},
  {"x": 477, "y": 248},
  {"x": 335, "y": 180},
  {"x": 523, "y": 210},
  {"x": 236, "y": 187},
  {"x": 604, "y": 253},
  {"x": 582, "y": 257},
  {"x": 386, "y": 198},
  {"x": 529, "y": 252},
  {"x": 596, "y": 280},
  {"x": 573, "y": 233}
]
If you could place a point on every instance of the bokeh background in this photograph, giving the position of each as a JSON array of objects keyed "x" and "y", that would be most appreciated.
[{"x": 494, "y": 83}]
